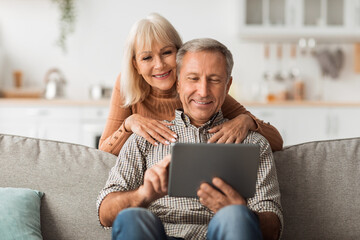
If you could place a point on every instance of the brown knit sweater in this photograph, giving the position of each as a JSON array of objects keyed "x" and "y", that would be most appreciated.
[{"x": 161, "y": 106}]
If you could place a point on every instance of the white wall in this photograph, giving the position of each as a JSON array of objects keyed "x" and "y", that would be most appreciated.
[{"x": 29, "y": 29}]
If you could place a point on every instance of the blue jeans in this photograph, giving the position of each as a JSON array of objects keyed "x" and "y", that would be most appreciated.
[{"x": 231, "y": 222}]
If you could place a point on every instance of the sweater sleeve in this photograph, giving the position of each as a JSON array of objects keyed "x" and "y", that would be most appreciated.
[
  {"x": 115, "y": 135},
  {"x": 231, "y": 109}
]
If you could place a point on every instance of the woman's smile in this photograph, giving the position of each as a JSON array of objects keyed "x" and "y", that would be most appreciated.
[{"x": 162, "y": 75}]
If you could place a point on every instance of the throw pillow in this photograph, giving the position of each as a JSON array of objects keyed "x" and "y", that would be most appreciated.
[{"x": 20, "y": 214}]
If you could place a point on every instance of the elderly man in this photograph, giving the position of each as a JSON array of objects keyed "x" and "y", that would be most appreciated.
[{"x": 135, "y": 201}]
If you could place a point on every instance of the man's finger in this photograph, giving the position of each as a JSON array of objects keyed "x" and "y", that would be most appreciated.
[
  {"x": 165, "y": 162},
  {"x": 224, "y": 187},
  {"x": 210, "y": 191},
  {"x": 154, "y": 180}
]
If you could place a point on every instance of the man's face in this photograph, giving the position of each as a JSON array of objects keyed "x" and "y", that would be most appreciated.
[{"x": 202, "y": 85}]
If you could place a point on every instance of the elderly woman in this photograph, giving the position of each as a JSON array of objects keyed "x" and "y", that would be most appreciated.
[{"x": 145, "y": 94}]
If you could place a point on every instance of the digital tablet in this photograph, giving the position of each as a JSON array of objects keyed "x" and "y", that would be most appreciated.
[{"x": 194, "y": 163}]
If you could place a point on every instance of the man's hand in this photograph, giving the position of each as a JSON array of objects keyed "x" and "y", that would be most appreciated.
[
  {"x": 214, "y": 199},
  {"x": 155, "y": 181}
]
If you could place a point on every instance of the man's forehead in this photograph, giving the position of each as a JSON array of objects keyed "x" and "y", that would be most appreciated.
[{"x": 195, "y": 61}]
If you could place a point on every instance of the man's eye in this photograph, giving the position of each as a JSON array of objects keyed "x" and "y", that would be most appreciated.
[
  {"x": 193, "y": 78},
  {"x": 215, "y": 80}
]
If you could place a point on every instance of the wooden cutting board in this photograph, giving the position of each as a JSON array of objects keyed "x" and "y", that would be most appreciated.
[{"x": 21, "y": 93}]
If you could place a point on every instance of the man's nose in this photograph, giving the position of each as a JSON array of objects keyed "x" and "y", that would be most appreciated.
[{"x": 203, "y": 88}]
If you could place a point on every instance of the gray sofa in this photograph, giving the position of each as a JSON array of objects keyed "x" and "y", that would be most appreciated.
[{"x": 319, "y": 182}]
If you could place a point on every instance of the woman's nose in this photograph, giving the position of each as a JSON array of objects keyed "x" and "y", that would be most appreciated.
[{"x": 159, "y": 63}]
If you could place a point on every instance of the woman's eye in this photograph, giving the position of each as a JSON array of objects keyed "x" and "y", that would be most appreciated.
[
  {"x": 146, "y": 58},
  {"x": 167, "y": 52}
]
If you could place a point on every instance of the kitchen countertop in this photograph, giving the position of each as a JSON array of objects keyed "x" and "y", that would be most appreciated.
[
  {"x": 106, "y": 102},
  {"x": 53, "y": 102},
  {"x": 304, "y": 103}
]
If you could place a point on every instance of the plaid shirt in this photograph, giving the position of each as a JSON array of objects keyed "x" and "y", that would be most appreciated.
[{"x": 187, "y": 217}]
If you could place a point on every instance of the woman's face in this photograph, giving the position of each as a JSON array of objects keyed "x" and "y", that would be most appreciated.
[{"x": 157, "y": 65}]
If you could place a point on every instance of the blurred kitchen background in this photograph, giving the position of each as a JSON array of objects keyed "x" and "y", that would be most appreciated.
[{"x": 297, "y": 62}]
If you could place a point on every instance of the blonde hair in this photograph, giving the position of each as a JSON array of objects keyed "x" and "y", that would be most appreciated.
[{"x": 153, "y": 28}]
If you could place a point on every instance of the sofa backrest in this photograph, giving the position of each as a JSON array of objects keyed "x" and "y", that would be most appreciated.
[
  {"x": 320, "y": 189},
  {"x": 71, "y": 177},
  {"x": 319, "y": 184}
]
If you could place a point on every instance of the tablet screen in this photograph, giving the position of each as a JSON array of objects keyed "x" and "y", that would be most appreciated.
[{"x": 194, "y": 163}]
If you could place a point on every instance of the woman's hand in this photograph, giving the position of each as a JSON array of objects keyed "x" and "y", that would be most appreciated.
[
  {"x": 233, "y": 131},
  {"x": 150, "y": 129}
]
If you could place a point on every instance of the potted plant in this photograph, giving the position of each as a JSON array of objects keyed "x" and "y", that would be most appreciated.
[{"x": 67, "y": 20}]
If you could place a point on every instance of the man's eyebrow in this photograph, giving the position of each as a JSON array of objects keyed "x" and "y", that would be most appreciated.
[
  {"x": 214, "y": 75},
  {"x": 191, "y": 73}
]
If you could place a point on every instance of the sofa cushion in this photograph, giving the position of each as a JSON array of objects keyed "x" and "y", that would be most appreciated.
[
  {"x": 70, "y": 175},
  {"x": 320, "y": 189},
  {"x": 20, "y": 214}
]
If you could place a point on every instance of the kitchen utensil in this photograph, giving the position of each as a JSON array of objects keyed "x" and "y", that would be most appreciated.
[
  {"x": 357, "y": 57},
  {"x": 55, "y": 83},
  {"x": 21, "y": 93},
  {"x": 330, "y": 62},
  {"x": 18, "y": 78},
  {"x": 99, "y": 91}
]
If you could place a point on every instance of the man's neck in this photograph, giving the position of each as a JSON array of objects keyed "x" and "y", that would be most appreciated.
[{"x": 200, "y": 123}]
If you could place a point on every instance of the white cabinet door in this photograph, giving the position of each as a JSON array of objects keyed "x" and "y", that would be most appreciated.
[
  {"x": 304, "y": 124},
  {"x": 295, "y": 124},
  {"x": 344, "y": 122},
  {"x": 54, "y": 123},
  {"x": 60, "y": 124},
  {"x": 18, "y": 121},
  {"x": 272, "y": 115},
  {"x": 93, "y": 120},
  {"x": 331, "y": 20}
]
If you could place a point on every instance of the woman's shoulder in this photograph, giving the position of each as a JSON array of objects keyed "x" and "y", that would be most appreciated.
[{"x": 117, "y": 82}]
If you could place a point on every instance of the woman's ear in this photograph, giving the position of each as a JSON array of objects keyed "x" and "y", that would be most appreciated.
[{"x": 135, "y": 65}]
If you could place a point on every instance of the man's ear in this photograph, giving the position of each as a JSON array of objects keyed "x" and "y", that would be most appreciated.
[
  {"x": 228, "y": 85},
  {"x": 177, "y": 85}
]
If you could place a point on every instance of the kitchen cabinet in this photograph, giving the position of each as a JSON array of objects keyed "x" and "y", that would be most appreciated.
[
  {"x": 53, "y": 123},
  {"x": 281, "y": 20},
  {"x": 343, "y": 122},
  {"x": 298, "y": 124},
  {"x": 70, "y": 123}
]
